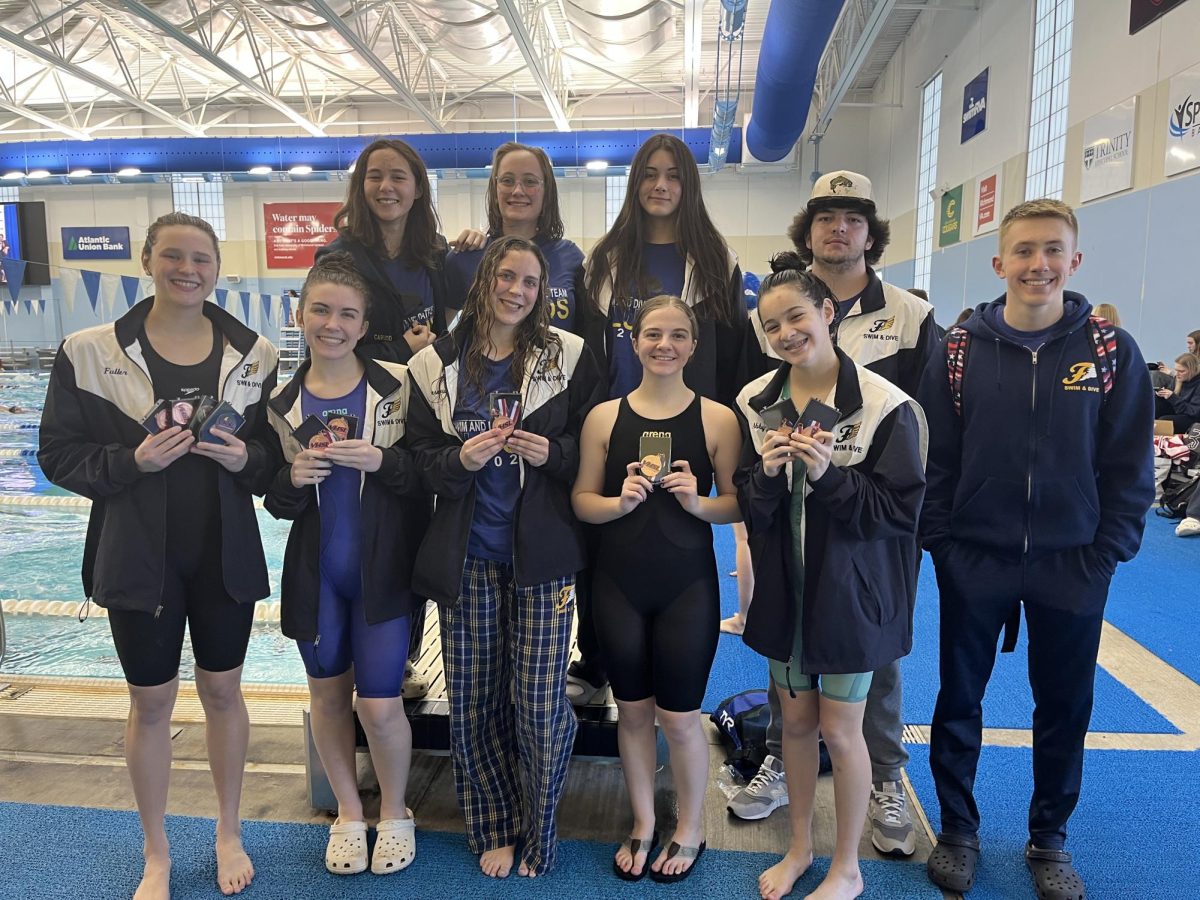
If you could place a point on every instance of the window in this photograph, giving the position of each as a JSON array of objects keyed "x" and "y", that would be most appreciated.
[
  {"x": 927, "y": 203},
  {"x": 205, "y": 199},
  {"x": 9, "y": 194},
  {"x": 1048, "y": 98},
  {"x": 433, "y": 183},
  {"x": 614, "y": 197}
]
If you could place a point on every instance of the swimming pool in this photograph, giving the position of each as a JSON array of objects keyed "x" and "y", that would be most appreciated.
[{"x": 42, "y": 552}]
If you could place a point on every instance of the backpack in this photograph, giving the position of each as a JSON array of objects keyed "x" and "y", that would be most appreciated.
[
  {"x": 1104, "y": 349},
  {"x": 742, "y": 722},
  {"x": 1177, "y": 492}
]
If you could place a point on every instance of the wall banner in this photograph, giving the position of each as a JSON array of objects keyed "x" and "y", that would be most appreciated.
[
  {"x": 989, "y": 189},
  {"x": 295, "y": 231},
  {"x": 974, "y": 110},
  {"x": 1106, "y": 165},
  {"x": 96, "y": 243},
  {"x": 1183, "y": 123},
  {"x": 1143, "y": 12},
  {"x": 950, "y": 222}
]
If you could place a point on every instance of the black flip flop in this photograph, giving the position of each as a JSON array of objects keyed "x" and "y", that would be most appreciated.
[
  {"x": 951, "y": 865},
  {"x": 1053, "y": 874},
  {"x": 636, "y": 846},
  {"x": 692, "y": 853}
]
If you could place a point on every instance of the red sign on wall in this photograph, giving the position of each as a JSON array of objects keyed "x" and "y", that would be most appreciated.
[
  {"x": 295, "y": 231},
  {"x": 987, "y": 204}
]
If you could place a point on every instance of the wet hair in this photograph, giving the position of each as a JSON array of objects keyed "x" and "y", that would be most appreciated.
[
  {"x": 1109, "y": 312},
  {"x": 355, "y": 220},
  {"x": 549, "y": 223},
  {"x": 1039, "y": 209},
  {"x": 533, "y": 334},
  {"x": 337, "y": 268},
  {"x": 1189, "y": 361},
  {"x": 665, "y": 301},
  {"x": 178, "y": 218},
  {"x": 788, "y": 270},
  {"x": 879, "y": 230},
  {"x": 617, "y": 257}
]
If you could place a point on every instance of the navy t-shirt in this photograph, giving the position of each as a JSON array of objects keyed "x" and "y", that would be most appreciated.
[
  {"x": 416, "y": 291},
  {"x": 664, "y": 266},
  {"x": 497, "y": 484},
  {"x": 1030, "y": 340},
  {"x": 563, "y": 259},
  {"x": 338, "y": 494}
]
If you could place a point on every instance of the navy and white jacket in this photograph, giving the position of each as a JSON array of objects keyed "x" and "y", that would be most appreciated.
[
  {"x": 712, "y": 371},
  {"x": 558, "y": 390},
  {"x": 1040, "y": 460},
  {"x": 100, "y": 391},
  {"x": 888, "y": 331},
  {"x": 393, "y": 512},
  {"x": 392, "y": 313},
  {"x": 860, "y": 524}
]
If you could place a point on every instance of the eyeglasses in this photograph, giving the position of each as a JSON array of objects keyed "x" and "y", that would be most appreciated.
[{"x": 529, "y": 182}]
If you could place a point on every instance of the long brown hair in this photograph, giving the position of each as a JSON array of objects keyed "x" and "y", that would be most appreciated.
[
  {"x": 532, "y": 336},
  {"x": 549, "y": 223},
  {"x": 355, "y": 220},
  {"x": 617, "y": 257}
]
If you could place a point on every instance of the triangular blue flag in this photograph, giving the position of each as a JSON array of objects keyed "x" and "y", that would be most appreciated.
[
  {"x": 222, "y": 295},
  {"x": 130, "y": 284},
  {"x": 41, "y": 307},
  {"x": 14, "y": 274},
  {"x": 287, "y": 308},
  {"x": 29, "y": 307},
  {"x": 245, "y": 296},
  {"x": 91, "y": 284},
  {"x": 266, "y": 307}
]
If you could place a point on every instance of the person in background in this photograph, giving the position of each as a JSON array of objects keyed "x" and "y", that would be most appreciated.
[
  {"x": 658, "y": 604},
  {"x": 501, "y": 553},
  {"x": 964, "y": 315},
  {"x": 890, "y": 332},
  {"x": 1180, "y": 403},
  {"x": 1162, "y": 375},
  {"x": 172, "y": 539},
  {"x": 1109, "y": 313},
  {"x": 662, "y": 242},
  {"x": 358, "y": 510},
  {"x": 919, "y": 292},
  {"x": 390, "y": 228},
  {"x": 832, "y": 513},
  {"x": 1010, "y": 529}
]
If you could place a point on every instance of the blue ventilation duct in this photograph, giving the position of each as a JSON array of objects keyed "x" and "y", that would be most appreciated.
[{"x": 794, "y": 39}]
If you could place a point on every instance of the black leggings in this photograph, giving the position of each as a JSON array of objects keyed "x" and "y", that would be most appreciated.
[{"x": 658, "y": 628}]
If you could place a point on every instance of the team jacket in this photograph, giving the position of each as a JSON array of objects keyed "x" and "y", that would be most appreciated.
[
  {"x": 100, "y": 390},
  {"x": 392, "y": 312},
  {"x": 558, "y": 390},
  {"x": 888, "y": 331},
  {"x": 394, "y": 511},
  {"x": 713, "y": 371},
  {"x": 1039, "y": 460},
  {"x": 860, "y": 523}
]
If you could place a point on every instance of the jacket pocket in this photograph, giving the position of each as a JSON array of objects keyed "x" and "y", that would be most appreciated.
[
  {"x": 1064, "y": 513},
  {"x": 991, "y": 515}
]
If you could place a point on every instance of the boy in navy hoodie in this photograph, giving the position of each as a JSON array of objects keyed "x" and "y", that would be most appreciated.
[{"x": 1039, "y": 478}]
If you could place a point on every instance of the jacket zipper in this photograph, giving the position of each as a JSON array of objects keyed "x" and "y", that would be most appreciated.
[{"x": 1032, "y": 448}]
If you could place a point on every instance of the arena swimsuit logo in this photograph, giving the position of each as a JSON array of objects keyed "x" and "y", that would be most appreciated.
[{"x": 1080, "y": 372}]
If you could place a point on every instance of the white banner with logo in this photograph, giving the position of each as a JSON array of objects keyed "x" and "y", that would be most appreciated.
[
  {"x": 1106, "y": 165},
  {"x": 989, "y": 188},
  {"x": 1183, "y": 123}
]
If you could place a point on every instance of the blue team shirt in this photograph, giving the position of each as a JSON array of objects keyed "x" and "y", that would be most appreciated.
[
  {"x": 562, "y": 257},
  {"x": 341, "y": 543},
  {"x": 414, "y": 283},
  {"x": 664, "y": 266},
  {"x": 497, "y": 484},
  {"x": 1030, "y": 340}
]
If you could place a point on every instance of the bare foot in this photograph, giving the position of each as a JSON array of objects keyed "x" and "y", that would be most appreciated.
[
  {"x": 497, "y": 863},
  {"x": 633, "y": 863},
  {"x": 735, "y": 624},
  {"x": 839, "y": 886},
  {"x": 156, "y": 879},
  {"x": 525, "y": 872},
  {"x": 234, "y": 869},
  {"x": 779, "y": 880}
]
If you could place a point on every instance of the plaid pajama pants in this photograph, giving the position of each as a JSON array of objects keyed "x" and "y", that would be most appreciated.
[{"x": 505, "y": 649}]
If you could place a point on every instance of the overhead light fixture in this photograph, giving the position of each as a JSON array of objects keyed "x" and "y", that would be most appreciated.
[
  {"x": 260, "y": 170},
  {"x": 597, "y": 165},
  {"x": 13, "y": 176},
  {"x": 128, "y": 172},
  {"x": 79, "y": 173},
  {"x": 300, "y": 170},
  {"x": 39, "y": 173}
]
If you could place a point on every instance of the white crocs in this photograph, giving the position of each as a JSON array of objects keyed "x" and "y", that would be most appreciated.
[
  {"x": 395, "y": 845},
  {"x": 346, "y": 852}
]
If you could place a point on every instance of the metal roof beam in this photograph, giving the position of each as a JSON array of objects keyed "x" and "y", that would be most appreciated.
[
  {"x": 512, "y": 12},
  {"x": 872, "y": 24}
]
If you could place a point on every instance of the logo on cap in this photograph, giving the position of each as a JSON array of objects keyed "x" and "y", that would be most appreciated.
[{"x": 840, "y": 183}]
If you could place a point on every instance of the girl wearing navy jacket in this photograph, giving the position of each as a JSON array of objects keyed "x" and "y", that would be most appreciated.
[
  {"x": 832, "y": 517},
  {"x": 522, "y": 201},
  {"x": 358, "y": 509},
  {"x": 501, "y": 553},
  {"x": 1181, "y": 402},
  {"x": 172, "y": 538}
]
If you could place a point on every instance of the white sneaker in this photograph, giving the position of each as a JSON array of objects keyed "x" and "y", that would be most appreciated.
[
  {"x": 1189, "y": 527},
  {"x": 766, "y": 792}
]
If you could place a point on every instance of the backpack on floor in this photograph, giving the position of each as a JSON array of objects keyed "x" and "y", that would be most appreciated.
[
  {"x": 1177, "y": 492},
  {"x": 742, "y": 721}
]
